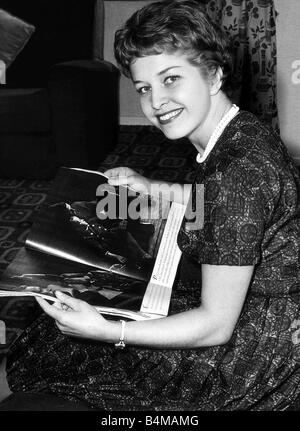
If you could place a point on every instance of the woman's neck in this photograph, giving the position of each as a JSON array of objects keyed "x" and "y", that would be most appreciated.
[{"x": 219, "y": 107}]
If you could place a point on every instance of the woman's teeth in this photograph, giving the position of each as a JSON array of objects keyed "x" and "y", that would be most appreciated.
[{"x": 169, "y": 116}]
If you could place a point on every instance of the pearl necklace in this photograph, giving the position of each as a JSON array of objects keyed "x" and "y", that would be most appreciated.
[{"x": 217, "y": 132}]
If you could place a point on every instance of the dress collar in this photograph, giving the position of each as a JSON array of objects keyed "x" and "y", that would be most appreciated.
[{"x": 217, "y": 132}]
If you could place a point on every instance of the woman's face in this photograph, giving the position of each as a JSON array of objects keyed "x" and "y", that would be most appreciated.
[{"x": 174, "y": 95}]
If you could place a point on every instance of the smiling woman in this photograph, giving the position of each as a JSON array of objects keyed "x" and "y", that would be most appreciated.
[
  {"x": 182, "y": 70},
  {"x": 177, "y": 98},
  {"x": 229, "y": 340}
]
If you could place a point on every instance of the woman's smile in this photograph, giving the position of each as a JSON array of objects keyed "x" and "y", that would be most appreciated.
[{"x": 169, "y": 116}]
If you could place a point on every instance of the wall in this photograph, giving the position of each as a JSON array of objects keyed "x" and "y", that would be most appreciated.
[
  {"x": 115, "y": 14},
  {"x": 288, "y": 73}
]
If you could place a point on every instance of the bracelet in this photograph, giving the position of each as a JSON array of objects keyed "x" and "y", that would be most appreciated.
[{"x": 121, "y": 344}]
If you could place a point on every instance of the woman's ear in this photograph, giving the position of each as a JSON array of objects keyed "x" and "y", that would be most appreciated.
[{"x": 216, "y": 81}]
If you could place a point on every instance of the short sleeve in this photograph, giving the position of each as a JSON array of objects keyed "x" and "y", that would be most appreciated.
[{"x": 234, "y": 219}]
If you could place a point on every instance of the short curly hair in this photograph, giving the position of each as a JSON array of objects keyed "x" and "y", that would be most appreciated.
[{"x": 172, "y": 25}]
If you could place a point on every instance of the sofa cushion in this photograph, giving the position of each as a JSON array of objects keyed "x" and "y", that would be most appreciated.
[
  {"x": 24, "y": 110},
  {"x": 15, "y": 33}
]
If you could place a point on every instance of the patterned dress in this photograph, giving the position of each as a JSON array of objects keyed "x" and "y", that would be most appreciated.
[{"x": 252, "y": 193}]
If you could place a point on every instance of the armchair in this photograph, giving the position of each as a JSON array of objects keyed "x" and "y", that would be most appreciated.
[{"x": 59, "y": 105}]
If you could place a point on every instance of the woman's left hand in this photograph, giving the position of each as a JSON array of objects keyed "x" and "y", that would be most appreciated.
[{"x": 76, "y": 318}]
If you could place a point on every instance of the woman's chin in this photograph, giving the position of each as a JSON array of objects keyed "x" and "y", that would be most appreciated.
[{"x": 172, "y": 133}]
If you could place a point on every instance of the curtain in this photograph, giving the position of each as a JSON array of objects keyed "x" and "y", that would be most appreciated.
[{"x": 251, "y": 25}]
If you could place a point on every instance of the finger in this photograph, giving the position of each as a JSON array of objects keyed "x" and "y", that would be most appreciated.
[
  {"x": 65, "y": 307},
  {"x": 61, "y": 306},
  {"x": 59, "y": 326},
  {"x": 133, "y": 182},
  {"x": 58, "y": 305},
  {"x": 123, "y": 176},
  {"x": 49, "y": 309},
  {"x": 110, "y": 172},
  {"x": 122, "y": 180},
  {"x": 119, "y": 171},
  {"x": 68, "y": 300}
]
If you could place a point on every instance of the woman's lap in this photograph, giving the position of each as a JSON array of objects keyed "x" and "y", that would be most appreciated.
[{"x": 44, "y": 360}]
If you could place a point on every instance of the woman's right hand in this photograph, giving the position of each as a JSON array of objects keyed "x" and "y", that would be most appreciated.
[{"x": 128, "y": 177}]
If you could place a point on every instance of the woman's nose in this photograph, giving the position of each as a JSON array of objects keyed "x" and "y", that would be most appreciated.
[{"x": 158, "y": 99}]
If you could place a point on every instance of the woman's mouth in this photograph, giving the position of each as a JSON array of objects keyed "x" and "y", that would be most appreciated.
[{"x": 169, "y": 116}]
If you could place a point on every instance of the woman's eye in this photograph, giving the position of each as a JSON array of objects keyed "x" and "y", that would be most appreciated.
[
  {"x": 171, "y": 79},
  {"x": 143, "y": 90}
]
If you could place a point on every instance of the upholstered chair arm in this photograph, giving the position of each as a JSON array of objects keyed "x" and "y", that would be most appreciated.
[{"x": 84, "y": 104}]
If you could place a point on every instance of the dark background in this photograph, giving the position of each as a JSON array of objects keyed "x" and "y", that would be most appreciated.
[{"x": 63, "y": 32}]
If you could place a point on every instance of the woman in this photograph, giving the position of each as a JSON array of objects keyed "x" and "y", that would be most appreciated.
[{"x": 229, "y": 342}]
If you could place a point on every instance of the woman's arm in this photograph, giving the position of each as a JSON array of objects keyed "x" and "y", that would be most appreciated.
[
  {"x": 168, "y": 191},
  {"x": 224, "y": 289}
]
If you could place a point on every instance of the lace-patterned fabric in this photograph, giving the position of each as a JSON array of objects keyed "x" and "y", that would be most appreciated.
[{"x": 252, "y": 194}]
